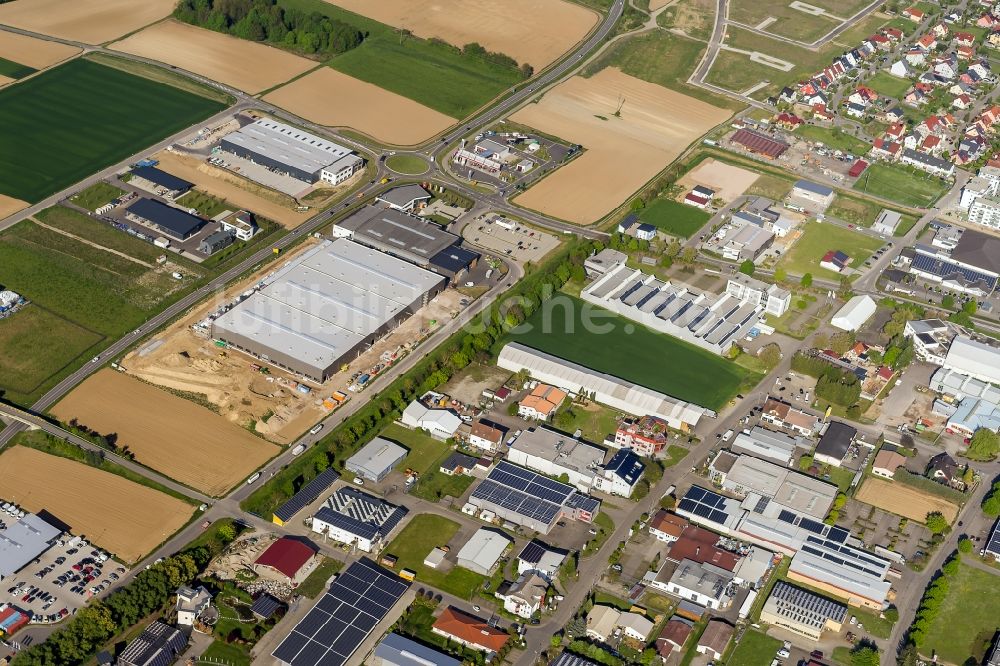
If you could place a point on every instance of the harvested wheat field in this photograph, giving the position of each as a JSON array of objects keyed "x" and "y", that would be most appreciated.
[
  {"x": 122, "y": 517},
  {"x": 904, "y": 500},
  {"x": 622, "y": 153},
  {"x": 330, "y": 98},
  {"x": 4, "y": 80},
  {"x": 10, "y": 205},
  {"x": 88, "y": 21},
  {"x": 537, "y": 32},
  {"x": 33, "y": 52},
  {"x": 249, "y": 66},
  {"x": 727, "y": 180},
  {"x": 233, "y": 188},
  {"x": 172, "y": 435}
]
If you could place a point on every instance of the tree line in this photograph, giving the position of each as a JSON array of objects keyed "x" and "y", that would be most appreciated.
[{"x": 267, "y": 21}]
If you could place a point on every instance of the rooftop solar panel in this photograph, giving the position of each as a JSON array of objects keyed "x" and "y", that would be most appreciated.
[
  {"x": 307, "y": 495},
  {"x": 695, "y": 493},
  {"x": 812, "y": 525},
  {"x": 838, "y": 534},
  {"x": 786, "y": 516}
]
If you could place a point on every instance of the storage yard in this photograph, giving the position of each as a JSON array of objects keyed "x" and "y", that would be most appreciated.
[
  {"x": 904, "y": 500},
  {"x": 622, "y": 153},
  {"x": 33, "y": 52},
  {"x": 728, "y": 181},
  {"x": 531, "y": 31},
  {"x": 219, "y": 57},
  {"x": 174, "y": 436},
  {"x": 334, "y": 99},
  {"x": 89, "y": 21},
  {"x": 126, "y": 519}
]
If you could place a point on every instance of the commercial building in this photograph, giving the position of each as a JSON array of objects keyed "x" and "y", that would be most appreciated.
[
  {"x": 708, "y": 321},
  {"x": 931, "y": 339},
  {"x": 705, "y": 584},
  {"x": 292, "y": 151},
  {"x": 216, "y": 241},
  {"x": 538, "y": 557},
  {"x": 705, "y": 507},
  {"x": 835, "y": 443},
  {"x": 605, "y": 389},
  {"x": 174, "y": 222},
  {"x": 23, "y": 541},
  {"x": 306, "y": 496},
  {"x": 406, "y": 198},
  {"x": 963, "y": 260},
  {"x": 439, "y": 423},
  {"x": 483, "y": 551},
  {"x": 816, "y": 196},
  {"x": 600, "y": 263},
  {"x": 992, "y": 547},
  {"x": 760, "y": 144},
  {"x": 358, "y": 519},
  {"x": 802, "y": 612},
  {"x": 325, "y": 307},
  {"x": 375, "y": 459},
  {"x": 887, "y": 222},
  {"x": 783, "y": 415},
  {"x": 857, "y": 576},
  {"x": 766, "y": 444},
  {"x": 407, "y": 237},
  {"x": 620, "y": 475},
  {"x": 699, "y": 545},
  {"x": 715, "y": 639},
  {"x": 647, "y": 436},
  {"x": 555, "y": 454},
  {"x": 155, "y": 180},
  {"x": 772, "y": 298},
  {"x": 291, "y": 557},
  {"x": 975, "y": 359},
  {"x": 396, "y": 650},
  {"x": 855, "y": 313},
  {"x": 748, "y": 243},
  {"x": 799, "y": 492},
  {"x": 159, "y": 644},
  {"x": 470, "y": 631},
  {"x": 526, "y": 498}
]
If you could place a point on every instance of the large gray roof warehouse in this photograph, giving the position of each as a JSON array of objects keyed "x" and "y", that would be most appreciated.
[{"x": 322, "y": 308}]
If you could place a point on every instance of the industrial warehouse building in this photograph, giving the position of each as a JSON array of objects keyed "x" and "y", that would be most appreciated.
[
  {"x": 152, "y": 179},
  {"x": 174, "y": 222},
  {"x": 605, "y": 389},
  {"x": 803, "y": 612},
  {"x": 356, "y": 518},
  {"x": 411, "y": 238},
  {"x": 376, "y": 459},
  {"x": 299, "y": 154},
  {"x": 23, "y": 541},
  {"x": 326, "y": 307}
]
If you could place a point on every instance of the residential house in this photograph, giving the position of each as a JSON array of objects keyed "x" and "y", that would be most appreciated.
[
  {"x": 526, "y": 596},
  {"x": 541, "y": 559},
  {"x": 667, "y": 527},
  {"x": 964, "y": 38},
  {"x": 886, "y": 463},
  {"x": 943, "y": 469},
  {"x": 721, "y": 465},
  {"x": 620, "y": 475},
  {"x": 901, "y": 69},
  {"x": 915, "y": 56},
  {"x": 470, "y": 631},
  {"x": 486, "y": 435},
  {"x": 931, "y": 145},
  {"x": 705, "y": 584},
  {"x": 635, "y": 626},
  {"x": 986, "y": 21},
  {"x": 913, "y": 14},
  {"x": 886, "y": 149},
  {"x": 191, "y": 603},
  {"x": 602, "y": 622},
  {"x": 835, "y": 260},
  {"x": 929, "y": 163},
  {"x": 541, "y": 403},
  {"x": 458, "y": 463},
  {"x": 715, "y": 639},
  {"x": 673, "y": 636},
  {"x": 647, "y": 436},
  {"x": 962, "y": 102},
  {"x": 965, "y": 52},
  {"x": 782, "y": 415},
  {"x": 940, "y": 30}
]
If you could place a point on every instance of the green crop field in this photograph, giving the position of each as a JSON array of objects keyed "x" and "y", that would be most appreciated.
[
  {"x": 901, "y": 184},
  {"x": 15, "y": 70},
  {"x": 968, "y": 618},
  {"x": 817, "y": 239},
  {"x": 674, "y": 218},
  {"x": 886, "y": 84},
  {"x": 633, "y": 352},
  {"x": 75, "y": 119}
]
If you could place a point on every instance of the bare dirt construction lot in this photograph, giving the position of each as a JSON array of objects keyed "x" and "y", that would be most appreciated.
[
  {"x": 249, "y": 66},
  {"x": 33, "y": 52},
  {"x": 537, "y": 32},
  {"x": 903, "y": 500},
  {"x": 727, "y": 180},
  {"x": 331, "y": 98},
  {"x": 122, "y": 517},
  {"x": 10, "y": 205},
  {"x": 89, "y": 21},
  {"x": 172, "y": 435},
  {"x": 622, "y": 153},
  {"x": 233, "y": 188}
]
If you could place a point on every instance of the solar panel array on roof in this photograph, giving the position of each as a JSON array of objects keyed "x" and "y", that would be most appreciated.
[
  {"x": 309, "y": 494},
  {"x": 532, "y": 553},
  {"x": 812, "y": 525},
  {"x": 947, "y": 269},
  {"x": 838, "y": 534},
  {"x": 264, "y": 606},
  {"x": 704, "y": 503},
  {"x": 993, "y": 547},
  {"x": 343, "y": 618},
  {"x": 787, "y": 516},
  {"x": 845, "y": 556}
]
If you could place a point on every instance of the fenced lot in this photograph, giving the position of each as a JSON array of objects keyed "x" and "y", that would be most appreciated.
[
  {"x": 75, "y": 119},
  {"x": 903, "y": 500},
  {"x": 668, "y": 364}
]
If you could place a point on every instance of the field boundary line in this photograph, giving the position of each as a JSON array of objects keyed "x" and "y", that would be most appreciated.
[{"x": 92, "y": 244}]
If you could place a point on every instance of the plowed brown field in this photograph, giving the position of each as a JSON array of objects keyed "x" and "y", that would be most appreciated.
[
  {"x": 172, "y": 435},
  {"x": 904, "y": 500},
  {"x": 88, "y": 21},
  {"x": 122, "y": 517}
]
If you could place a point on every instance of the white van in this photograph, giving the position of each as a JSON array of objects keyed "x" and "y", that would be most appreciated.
[
  {"x": 315, "y": 429},
  {"x": 253, "y": 478},
  {"x": 728, "y": 435}
]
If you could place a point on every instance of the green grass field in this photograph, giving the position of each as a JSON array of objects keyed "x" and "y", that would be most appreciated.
[
  {"x": 860, "y": 212},
  {"x": 407, "y": 164},
  {"x": 886, "y": 84},
  {"x": 674, "y": 218},
  {"x": 817, "y": 239},
  {"x": 433, "y": 485},
  {"x": 96, "y": 195},
  {"x": 901, "y": 184},
  {"x": 229, "y": 654},
  {"x": 595, "y": 421},
  {"x": 968, "y": 618},
  {"x": 315, "y": 582},
  {"x": 754, "y": 649},
  {"x": 104, "y": 235},
  {"x": 15, "y": 70},
  {"x": 833, "y": 139},
  {"x": 421, "y": 535},
  {"x": 75, "y": 119},
  {"x": 790, "y": 22},
  {"x": 667, "y": 364},
  {"x": 662, "y": 58},
  {"x": 424, "y": 450}
]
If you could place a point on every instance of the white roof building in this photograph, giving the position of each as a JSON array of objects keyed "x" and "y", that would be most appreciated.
[
  {"x": 855, "y": 313},
  {"x": 23, "y": 541},
  {"x": 607, "y": 389},
  {"x": 375, "y": 459},
  {"x": 847, "y": 573},
  {"x": 975, "y": 359},
  {"x": 554, "y": 454},
  {"x": 799, "y": 492},
  {"x": 766, "y": 444},
  {"x": 440, "y": 423},
  {"x": 483, "y": 550}
]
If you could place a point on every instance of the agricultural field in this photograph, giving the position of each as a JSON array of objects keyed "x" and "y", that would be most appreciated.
[
  {"x": 121, "y": 516},
  {"x": 11, "y": 71},
  {"x": 674, "y": 218},
  {"x": 905, "y": 501},
  {"x": 631, "y": 130},
  {"x": 817, "y": 239},
  {"x": 75, "y": 119},
  {"x": 80, "y": 294},
  {"x": 968, "y": 618},
  {"x": 671, "y": 366},
  {"x": 216, "y": 56},
  {"x": 421, "y": 535},
  {"x": 888, "y": 85},
  {"x": 33, "y": 52},
  {"x": 833, "y": 139},
  {"x": 529, "y": 31},
  {"x": 174, "y": 436},
  {"x": 901, "y": 184},
  {"x": 330, "y": 98},
  {"x": 88, "y": 21}
]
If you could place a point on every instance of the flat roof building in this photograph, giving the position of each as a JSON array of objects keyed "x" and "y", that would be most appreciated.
[
  {"x": 802, "y": 612},
  {"x": 554, "y": 454},
  {"x": 766, "y": 444},
  {"x": 174, "y": 222},
  {"x": 799, "y": 492},
  {"x": 396, "y": 650},
  {"x": 358, "y": 519},
  {"x": 405, "y": 198},
  {"x": 483, "y": 550},
  {"x": 154, "y": 177},
  {"x": 835, "y": 443},
  {"x": 843, "y": 571},
  {"x": 375, "y": 459},
  {"x": 298, "y": 153},
  {"x": 975, "y": 359},
  {"x": 23, "y": 541},
  {"x": 325, "y": 307}
]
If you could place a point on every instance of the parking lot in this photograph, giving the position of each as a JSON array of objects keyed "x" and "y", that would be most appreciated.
[
  {"x": 61, "y": 580},
  {"x": 509, "y": 238}
]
